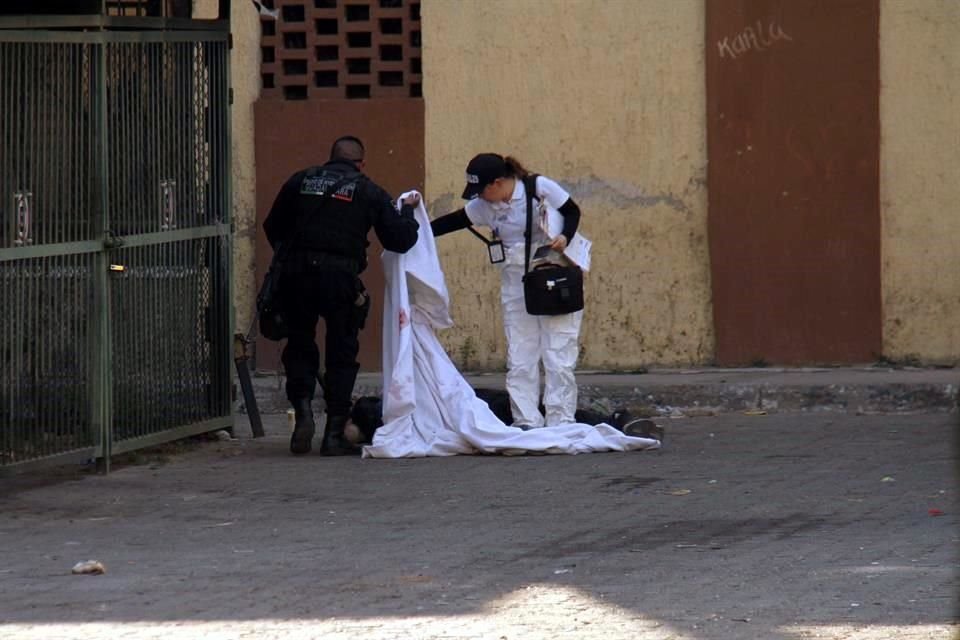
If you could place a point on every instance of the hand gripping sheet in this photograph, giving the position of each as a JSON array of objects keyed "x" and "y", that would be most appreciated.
[{"x": 428, "y": 407}]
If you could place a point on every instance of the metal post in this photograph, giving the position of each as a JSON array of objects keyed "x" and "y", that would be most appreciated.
[
  {"x": 100, "y": 333},
  {"x": 228, "y": 214}
]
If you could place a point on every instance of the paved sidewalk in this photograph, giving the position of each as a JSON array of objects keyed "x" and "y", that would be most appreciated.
[
  {"x": 776, "y": 527},
  {"x": 694, "y": 392}
]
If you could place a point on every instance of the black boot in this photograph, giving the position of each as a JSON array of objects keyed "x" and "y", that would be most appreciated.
[
  {"x": 302, "y": 439},
  {"x": 334, "y": 444}
]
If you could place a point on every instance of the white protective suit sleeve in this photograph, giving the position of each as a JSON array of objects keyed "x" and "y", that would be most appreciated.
[{"x": 429, "y": 409}]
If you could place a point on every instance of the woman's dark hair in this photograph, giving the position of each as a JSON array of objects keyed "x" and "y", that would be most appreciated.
[{"x": 514, "y": 168}]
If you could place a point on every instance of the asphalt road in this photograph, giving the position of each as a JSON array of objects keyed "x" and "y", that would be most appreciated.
[{"x": 776, "y": 527}]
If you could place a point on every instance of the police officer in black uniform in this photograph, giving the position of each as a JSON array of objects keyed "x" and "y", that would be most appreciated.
[{"x": 325, "y": 214}]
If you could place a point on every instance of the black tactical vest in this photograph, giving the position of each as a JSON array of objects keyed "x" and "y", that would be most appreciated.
[{"x": 338, "y": 223}]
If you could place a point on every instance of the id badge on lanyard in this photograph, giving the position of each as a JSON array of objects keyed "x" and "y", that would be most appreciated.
[{"x": 494, "y": 247}]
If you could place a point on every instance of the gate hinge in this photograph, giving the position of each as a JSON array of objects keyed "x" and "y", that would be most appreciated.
[
  {"x": 230, "y": 96},
  {"x": 230, "y": 40}
]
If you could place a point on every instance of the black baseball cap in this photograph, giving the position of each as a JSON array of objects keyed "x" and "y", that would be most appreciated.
[{"x": 482, "y": 170}]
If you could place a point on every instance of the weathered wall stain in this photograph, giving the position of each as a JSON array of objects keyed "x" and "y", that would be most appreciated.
[
  {"x": 622, "y": 195},
  {"x": 919, "y": 190},
  {"x": 620, "y": 124},
  {"x": 245, "y": 81}
]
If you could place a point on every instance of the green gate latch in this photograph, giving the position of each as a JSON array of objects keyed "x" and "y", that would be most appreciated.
[{"x": 111, "y": 241}]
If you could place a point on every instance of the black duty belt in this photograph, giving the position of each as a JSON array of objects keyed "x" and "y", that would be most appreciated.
[{"x": 324, "y": 260}]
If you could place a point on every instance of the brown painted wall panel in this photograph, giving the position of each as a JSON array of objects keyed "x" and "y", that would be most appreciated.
[
  {"x": 793, "y": 149},
  {"x": 291, "y": 135}
]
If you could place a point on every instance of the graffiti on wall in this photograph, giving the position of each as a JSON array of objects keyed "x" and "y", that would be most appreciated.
[{"x": 756, "y": 37}]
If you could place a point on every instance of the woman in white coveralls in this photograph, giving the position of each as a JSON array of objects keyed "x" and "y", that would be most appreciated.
[{"x": 497, "y": 199}]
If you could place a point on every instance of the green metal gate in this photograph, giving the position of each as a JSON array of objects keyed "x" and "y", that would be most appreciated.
[{"x": 115, "y": 246}]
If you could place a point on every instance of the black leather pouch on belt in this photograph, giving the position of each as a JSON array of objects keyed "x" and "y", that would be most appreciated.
[{"x": 361, "y": 306}]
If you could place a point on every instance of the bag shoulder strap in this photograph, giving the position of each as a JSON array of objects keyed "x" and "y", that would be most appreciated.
[
  {"x": 530, "y": 186},
  {"x": 482, "y": 237}
]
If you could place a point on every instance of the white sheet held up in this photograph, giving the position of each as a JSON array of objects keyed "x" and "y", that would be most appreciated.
[{"x": 428, "y": 407}]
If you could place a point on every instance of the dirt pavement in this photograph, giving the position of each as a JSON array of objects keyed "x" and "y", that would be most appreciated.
[{"x": 776, "y": 527}]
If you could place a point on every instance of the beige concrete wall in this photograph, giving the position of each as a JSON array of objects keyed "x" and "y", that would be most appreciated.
[
  {"x": 619, "y": 119},
  {"x": 920, "y": 186},
  {"x": 608, "y": 98},
  {"x": 245, "y": 80}
]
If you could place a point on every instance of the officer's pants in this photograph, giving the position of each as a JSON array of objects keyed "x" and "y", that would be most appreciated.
[{"x": 306, "y": 298}]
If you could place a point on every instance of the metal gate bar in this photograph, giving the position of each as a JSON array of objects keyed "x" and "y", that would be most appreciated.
[
  {"x": 115, "y": 247},
  {"x": 46, "y": 380}
]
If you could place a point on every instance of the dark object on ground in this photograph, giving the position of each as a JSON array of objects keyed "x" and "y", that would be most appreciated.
[
  {"x": 335, "y": 441},
  {"x": 367, "y": 416},
  {"x": 240, "y": 359},
  {"x": 643, "y": 428},
  {"x": 499, "y": 402}
]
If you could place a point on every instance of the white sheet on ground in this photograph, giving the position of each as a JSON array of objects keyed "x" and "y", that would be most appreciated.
[{"x": 428, "y": 407}]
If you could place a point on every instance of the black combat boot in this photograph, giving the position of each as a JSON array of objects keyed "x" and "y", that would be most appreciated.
[
  {"x": 334, "y": 444},
  {"x": 302, "y": 439}
]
